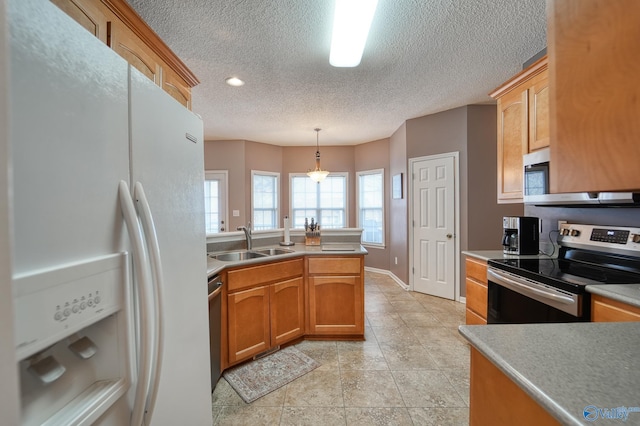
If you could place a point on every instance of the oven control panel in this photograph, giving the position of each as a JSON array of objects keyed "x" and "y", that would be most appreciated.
[{"x": 598, "y": 237}]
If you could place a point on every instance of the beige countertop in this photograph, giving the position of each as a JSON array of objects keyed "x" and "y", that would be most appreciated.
[
  {"x": 333, "y": 249},
  {"x": 498, "y": 254}
]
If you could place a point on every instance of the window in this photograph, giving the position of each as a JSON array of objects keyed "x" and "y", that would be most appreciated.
[
  {"x": 264, "y": 200},
  {"x": 371, "y": 206},
  {"x": 326, "y": 201},
  {"x": 215, "y": 201}
]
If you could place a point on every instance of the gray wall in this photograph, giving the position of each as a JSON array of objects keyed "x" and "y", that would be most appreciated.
[
  {"x": 371, "y": 156},
  {"x": 471, "y": 131},
  {"x": 397, "y": 217}
]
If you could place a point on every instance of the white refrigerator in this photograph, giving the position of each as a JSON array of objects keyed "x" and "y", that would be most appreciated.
[{"x": 107, "y": 242}]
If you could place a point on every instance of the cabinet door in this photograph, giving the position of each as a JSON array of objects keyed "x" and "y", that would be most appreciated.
[
  {"x": 476, "y": 289},
  {"x": 93, "y": 16},
  {"x": 494, "y": 399},
  {"x": 512, "y": 144},
  {"x": 474, "y": 319},
  {"x": 126, "y": 44},
  {"x": 594, "y": 60},
  {"x": 538, "y": 94},
  {"x": 336, "y": 305},
  {"x": 287, "y": 310},
  {"x": 174, "y": 85},
  {"x": 249, "y": 331},
  {"x": 477, "y": 296}
]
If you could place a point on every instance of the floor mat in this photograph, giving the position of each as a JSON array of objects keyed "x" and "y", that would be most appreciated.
[{"x": 257, "y": 378}]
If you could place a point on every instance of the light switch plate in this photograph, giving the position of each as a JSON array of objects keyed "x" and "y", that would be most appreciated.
[{"x": 236, "y": 213}]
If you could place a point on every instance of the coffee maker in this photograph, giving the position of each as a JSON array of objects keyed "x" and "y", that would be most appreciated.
[{"x": 521, "y": 235}]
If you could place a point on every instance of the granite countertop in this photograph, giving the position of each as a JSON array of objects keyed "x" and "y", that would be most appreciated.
[
  {"x": 568, "y": 368},
  {"x": 625, "y": 293},
  {"x": 341, "y": 249},
  {"x": 498, "y": 254}
]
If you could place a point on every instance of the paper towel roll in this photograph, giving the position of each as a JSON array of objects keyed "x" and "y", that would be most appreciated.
[{"x": 287, "y": 235}]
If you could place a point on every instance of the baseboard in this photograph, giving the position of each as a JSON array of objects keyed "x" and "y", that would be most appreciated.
[
  {"x": 389, "y": 274},
  {"x": 463, "y": 300}
]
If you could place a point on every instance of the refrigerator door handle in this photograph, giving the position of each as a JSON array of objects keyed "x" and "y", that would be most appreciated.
[
  {"x": 153, "y": 248},
  {"x": 144, "y": 294}
]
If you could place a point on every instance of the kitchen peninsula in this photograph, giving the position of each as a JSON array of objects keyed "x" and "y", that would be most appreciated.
[
  {"x": 293, "y": 293},
  {"x": 564, "y": 373}
]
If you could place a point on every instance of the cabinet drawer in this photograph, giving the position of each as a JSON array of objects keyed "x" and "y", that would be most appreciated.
[
  {"x": 474, "y": 319},
  {"x": 477, "y": 297},
  {"x": 334, "y": 265},
  {"x": 606, "y": 310},
  {"x": 476, "y": 269},
  {"x": 263, "y": 274}
]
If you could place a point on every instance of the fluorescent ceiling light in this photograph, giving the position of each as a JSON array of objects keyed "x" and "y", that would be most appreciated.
[{"x": 350, "y": 29}]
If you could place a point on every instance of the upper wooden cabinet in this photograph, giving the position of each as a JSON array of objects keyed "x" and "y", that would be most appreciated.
[
  {"x": 594, "y": 64},
  {"x": 523, "y": 126},
  {"x": 126, "y": 44},
  {"x": 116, "y": 24},
  {"x": 93, "y": 16}
]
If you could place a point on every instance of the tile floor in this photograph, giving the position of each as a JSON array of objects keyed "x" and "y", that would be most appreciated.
[{"x": 413, "y": 369}]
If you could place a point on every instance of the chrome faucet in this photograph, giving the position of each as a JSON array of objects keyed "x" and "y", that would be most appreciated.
[{"x": 247, "y": 233}]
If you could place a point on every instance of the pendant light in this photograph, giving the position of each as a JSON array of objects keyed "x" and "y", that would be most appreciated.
[{"x": 317, "y": 174}]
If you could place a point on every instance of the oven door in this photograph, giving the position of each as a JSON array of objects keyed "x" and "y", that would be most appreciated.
[{"x": 514, "y": 299}]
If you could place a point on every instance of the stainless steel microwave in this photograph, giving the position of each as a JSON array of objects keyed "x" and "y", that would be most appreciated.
[{"x": 536, "y": 187}]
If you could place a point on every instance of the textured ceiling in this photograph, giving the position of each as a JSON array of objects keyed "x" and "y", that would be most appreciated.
[{"x": 422, "y": 57}]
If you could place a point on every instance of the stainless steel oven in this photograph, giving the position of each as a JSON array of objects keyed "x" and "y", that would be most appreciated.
[
  {"x": 537, "y": 290},
  {"x": 514, "y": 299}
]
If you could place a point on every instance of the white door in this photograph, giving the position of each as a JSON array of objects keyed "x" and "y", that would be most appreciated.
[
  {"x": 434, "y": 219},
  {"x": 215, "y": 201}
]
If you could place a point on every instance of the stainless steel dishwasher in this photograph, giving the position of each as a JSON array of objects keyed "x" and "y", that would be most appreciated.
[{"x": 215, "y": 322}]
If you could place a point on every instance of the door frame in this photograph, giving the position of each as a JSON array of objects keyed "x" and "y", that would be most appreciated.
[{"x": 456, "y": 209}]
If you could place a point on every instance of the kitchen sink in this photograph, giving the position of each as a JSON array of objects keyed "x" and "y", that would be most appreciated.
[
  {"x": 273, "y": 251},
  {"x": 236, "y": 256}
]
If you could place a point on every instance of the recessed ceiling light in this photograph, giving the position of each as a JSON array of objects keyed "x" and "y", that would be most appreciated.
[
  {"x": 351, "y": 25},
  {"x": 234, "y": 81}
]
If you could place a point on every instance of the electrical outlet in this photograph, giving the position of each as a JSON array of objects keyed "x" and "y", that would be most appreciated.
[{"x": 560, "y": 223}]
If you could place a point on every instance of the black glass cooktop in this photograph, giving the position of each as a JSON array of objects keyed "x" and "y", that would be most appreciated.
[{"x": 573, "y": 270}]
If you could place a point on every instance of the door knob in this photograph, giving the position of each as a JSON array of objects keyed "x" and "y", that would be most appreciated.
[{"x": 449, "y": 236}]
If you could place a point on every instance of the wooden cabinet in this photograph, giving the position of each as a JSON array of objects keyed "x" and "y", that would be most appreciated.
[
  {"x": 126, "y": 44},
  {"x": 271, "y": 304},
  {"x": 93, "y": 16},
  {"x": 594, "y": 64},
  {"x": 523, "y": 126},
  {"x": 121, "y": 28},
  {"x": 265, "y": 307},
  {"x": 336, "y": 296},
  {"x": 286, "y": 304},
  {"x": 497, "y": 401},
  {"x": 604, "y": 309},
  {"x": 538, "y": 98},
  {"x": 476, "y": 291}
]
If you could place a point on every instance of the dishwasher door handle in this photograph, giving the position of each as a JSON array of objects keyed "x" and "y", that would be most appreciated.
[{"x": 215, "y": 287}]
